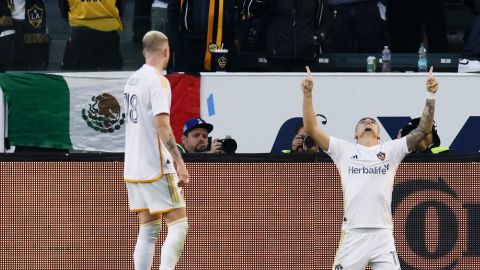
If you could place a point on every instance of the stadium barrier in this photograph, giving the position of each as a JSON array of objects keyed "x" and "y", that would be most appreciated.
[{"x": 245, "y": 212}]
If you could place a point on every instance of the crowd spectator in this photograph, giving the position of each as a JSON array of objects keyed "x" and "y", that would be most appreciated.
[
  {"x": 197, "y": 28},
  {"x": 142, "y": 21},
  {"x": 253, "y": 34},
  {"x": 24, "y": 42},
  {"x": 470, "y": 61},
  {"x": 429, "y": 144},
  {"x": 195, "y": 138},
  {"x": 302, "y": 142},
  {"x": 293, "y": 31},
  {"x": 412, "y": 22},
  {"x": 356, "y": 26},
  {"x": 159, "y": 15},
  {"x": 94, "y": 43}
]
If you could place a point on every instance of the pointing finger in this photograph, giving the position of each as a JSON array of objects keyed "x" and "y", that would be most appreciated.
[
  {"x": 309, "y": 74},
  {"x": 430, "y": 73}
]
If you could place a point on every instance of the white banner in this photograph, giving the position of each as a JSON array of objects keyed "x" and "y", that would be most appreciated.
[{"x": 252, "y": 107}]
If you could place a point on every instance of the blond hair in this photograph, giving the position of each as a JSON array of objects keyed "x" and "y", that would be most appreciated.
[{"x": 153, "y": 41}]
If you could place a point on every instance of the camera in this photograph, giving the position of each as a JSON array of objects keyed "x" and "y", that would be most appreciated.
[
  {"x": 308, "y": 142},
  {"x": 229, "y": 145}
]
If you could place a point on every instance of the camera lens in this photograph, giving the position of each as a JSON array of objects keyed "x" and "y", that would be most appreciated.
[
  {"x": 308, "y": 142},
  {"x": 229, "y": 145}
]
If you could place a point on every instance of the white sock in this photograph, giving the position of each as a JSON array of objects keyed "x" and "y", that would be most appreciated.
[
  {"x": 173, "y": 246},
  {"x": 145, "y": 248}
]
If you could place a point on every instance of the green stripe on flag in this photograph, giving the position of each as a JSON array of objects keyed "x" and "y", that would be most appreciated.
[{"x": 38, "y": 109}]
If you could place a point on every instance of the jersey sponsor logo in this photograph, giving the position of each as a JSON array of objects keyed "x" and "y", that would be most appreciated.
[
  {"x": 104, "y": 114},
  {"x": 372, "y": 170}
]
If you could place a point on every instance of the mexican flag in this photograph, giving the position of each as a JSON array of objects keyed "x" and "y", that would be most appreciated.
[
  {"x": 82, "y": 111},
  {"x": 68, "y": 112}
]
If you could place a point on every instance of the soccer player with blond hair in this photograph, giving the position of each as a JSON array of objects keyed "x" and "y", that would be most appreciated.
[{"x": 154, "y": 169}]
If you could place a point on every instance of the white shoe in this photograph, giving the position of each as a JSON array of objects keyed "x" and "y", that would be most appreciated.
[{"x": 468, "y": 66}]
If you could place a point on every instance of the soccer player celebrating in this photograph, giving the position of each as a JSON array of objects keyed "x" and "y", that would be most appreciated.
[{"x": 367, "y": 169}]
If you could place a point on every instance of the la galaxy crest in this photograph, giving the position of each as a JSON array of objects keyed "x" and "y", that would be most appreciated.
[
  {"x": 35, "y": 15},
  {"x": 381, "y": 155}
]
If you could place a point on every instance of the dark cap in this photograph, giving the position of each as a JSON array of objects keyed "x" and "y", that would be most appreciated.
[
  {"x": 194, "y": 123},
  {"x": 413, "y": 124}
]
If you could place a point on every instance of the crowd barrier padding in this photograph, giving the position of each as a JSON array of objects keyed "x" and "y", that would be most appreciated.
[{"x": 251, "y": 212}]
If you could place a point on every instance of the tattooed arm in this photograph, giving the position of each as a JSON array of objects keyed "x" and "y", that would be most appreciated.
[
  {"x": 426, "y": 122},
  {"x": 162, "y": 123}
]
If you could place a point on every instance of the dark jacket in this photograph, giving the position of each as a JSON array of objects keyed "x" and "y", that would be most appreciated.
[
  {"x": 474, "y": 5},
  {"x": 291, "y": 28},
  {"x": 190, "y": 21},
  {"x": 343, "y": 2},
  {"x": 189, "y": 34}
]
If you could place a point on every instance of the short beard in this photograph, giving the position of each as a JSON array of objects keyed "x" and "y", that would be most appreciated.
[{"x": 201, "y": 148}]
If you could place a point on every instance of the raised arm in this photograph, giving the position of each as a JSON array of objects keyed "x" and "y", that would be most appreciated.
[
  {"x": 309, "y": 119},
  {"x": 162, "y": 123},
  {"x": 426, "y": 122}
]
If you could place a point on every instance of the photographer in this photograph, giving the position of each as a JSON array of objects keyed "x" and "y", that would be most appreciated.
[
  {"x": 430, "y": 143},
  {"x": 302, "y": 142},
  {"x": 195, "y": 139}
]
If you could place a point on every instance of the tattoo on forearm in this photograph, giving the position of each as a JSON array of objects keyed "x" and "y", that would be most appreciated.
[
  {"x": 424, "y": 127},
  {"x": 171, "y": 145}
]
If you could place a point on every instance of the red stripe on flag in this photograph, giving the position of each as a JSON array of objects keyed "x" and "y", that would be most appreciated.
[{"x": 185, "y": 101}]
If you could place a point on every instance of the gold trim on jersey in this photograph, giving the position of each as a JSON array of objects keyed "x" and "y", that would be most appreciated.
[
  {"x": 172, "y": 188},
  {"x": 143, "y": 180},
  {"x": 180, "y": 220},
  {"x": 152, "y": 222},
  {"x": 159, "y": 145},
  {"x": 139, "y": 210},
  {"x": 164, "y": 81},
  {"x": 162, "y": 211}
]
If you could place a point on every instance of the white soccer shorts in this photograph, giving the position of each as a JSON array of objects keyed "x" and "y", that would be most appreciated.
[
  {"x": 361, "y": 247},
  {"x": 160, "y": 196}
]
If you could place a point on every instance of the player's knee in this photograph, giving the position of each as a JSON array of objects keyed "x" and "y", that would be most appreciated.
[
  {"x": 150, "y": 230},
  {"x": 179, "y": 225}
]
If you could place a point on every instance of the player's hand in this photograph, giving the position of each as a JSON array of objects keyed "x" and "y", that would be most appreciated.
[
  {"x": 297, "y": 143},
  {"x": 432, "y": 84},
  {"x": 307, "y": 84},
  {"x": 182, "y": 174},
  {"x": 216, "y": 147}
]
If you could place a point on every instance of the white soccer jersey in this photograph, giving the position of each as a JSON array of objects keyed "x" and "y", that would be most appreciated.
[
  {"x": 147, "y": 94},
  {"x": 367, "y": 175}
]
